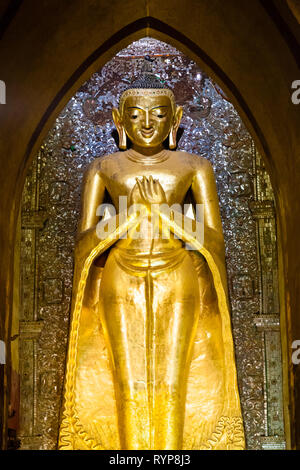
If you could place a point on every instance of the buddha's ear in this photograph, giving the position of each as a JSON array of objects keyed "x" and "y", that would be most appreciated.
[
  {"x": 174, "y": 128},
  {"x": 120, "y": 128},
  {"x": 116, "y": 117},
  {"x": 177, "y": 117}
]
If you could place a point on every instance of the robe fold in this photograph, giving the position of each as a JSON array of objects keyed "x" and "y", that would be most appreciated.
[{"x": 213, "y": 417}]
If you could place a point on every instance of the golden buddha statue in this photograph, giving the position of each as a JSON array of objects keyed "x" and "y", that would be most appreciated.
[{"x": 150, "y": 357}]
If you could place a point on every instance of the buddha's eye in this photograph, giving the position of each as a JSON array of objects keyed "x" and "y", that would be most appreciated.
[{"x": 159, "y": 115}]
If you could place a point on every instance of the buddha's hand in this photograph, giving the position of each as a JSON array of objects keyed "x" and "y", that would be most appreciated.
[{"x": 147, "y": 191}]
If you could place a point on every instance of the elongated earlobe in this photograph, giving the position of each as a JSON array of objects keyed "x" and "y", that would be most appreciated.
[
  {"x": 121, "y": 131},
  {"x": 172, "y": 138},
  {"x": 174, "y": 129},
  {"x": 122, "y": 138}
]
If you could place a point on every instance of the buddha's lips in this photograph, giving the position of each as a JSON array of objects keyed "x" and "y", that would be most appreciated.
[{"x": 147, "y": 133}]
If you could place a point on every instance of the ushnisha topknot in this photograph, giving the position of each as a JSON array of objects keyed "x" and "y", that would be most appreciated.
[
  {"x": 147, "y": 80},
  {"x": 147, "y": 84}
]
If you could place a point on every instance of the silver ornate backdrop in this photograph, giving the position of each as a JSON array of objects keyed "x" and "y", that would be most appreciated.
[{"x": 50, "y": 209}]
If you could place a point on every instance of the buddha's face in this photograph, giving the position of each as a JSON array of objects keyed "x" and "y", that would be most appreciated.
[{"x": 147, "y": 120}]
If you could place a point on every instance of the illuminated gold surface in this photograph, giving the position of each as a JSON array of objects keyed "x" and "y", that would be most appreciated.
[{"x": 151, "y": 360}]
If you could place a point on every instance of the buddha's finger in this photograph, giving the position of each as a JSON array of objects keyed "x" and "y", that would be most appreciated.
[
  {"x": 147, "y": 189},
  {"x": 134, "y": 194},
  {"x": 135, "y": 188},
  {"x": 141, "y": 188},
  {"x": 155, "y": 187},
  {"x": 159, "y": 187},
  {"x": 151, "y": 184}
]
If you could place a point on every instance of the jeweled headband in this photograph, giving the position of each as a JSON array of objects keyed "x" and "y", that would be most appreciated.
[{"x": 147, "y": 85}]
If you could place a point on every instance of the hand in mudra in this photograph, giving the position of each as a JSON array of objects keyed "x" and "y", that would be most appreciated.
[{"x": 147, "y": 191}]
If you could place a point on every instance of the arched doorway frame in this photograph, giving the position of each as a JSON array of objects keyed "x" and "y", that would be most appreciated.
[{"x": 149, "y": 26}]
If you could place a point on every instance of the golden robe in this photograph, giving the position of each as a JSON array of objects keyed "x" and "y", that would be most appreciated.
[{"x": 212, "y": 410}]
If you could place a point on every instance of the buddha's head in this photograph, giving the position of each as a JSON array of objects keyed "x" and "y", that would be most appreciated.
[{"x": 147, "y": 114}]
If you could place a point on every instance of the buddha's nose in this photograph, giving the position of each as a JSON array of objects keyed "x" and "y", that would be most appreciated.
[{"x": 147, "y": 120}]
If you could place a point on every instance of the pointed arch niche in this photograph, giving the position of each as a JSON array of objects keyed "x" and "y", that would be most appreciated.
[{"x": 211, "y": 127}]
